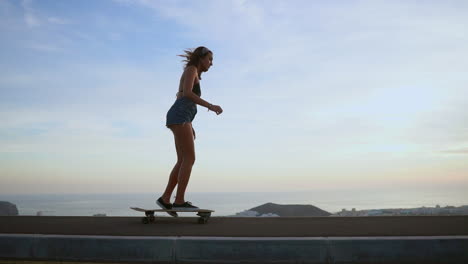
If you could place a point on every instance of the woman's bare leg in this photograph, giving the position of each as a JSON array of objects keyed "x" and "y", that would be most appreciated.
[
  {"x": 173, "y": 177},
  {"x": 184, "y": 136},
  {"x": 180, "y": 174}
]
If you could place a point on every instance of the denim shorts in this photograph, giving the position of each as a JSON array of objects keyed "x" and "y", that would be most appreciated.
[{"x": 182, "y": 111}]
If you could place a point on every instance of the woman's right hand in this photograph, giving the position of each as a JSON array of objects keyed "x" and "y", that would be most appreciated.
[{"x": 216, "y": 108}]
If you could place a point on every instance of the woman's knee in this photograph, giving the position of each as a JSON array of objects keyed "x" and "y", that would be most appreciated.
[
  {"x": 190, "y": 159},
  {"x": 178, "y": 163}
]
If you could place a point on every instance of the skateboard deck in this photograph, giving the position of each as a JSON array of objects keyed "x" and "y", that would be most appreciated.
[{"x": 150, "y": 216}]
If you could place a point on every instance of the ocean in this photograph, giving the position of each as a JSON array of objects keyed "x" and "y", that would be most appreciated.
[{"x": 226, "y": 204}]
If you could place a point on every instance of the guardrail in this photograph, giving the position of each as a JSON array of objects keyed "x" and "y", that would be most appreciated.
[{"x": 138, "y": 249}]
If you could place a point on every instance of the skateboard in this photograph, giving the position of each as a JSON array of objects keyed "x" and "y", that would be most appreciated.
[{"x": 150, "y": 217}]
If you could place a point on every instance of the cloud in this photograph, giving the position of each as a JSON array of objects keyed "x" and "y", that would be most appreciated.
[
  {"x": 30, "y": 17},
  {"x": 38, "y": 130},
  {"x": 43, "y": 110},
  {"x": 58, "y": 20},
  {"x": 34, "y": 19},
  {"x": 46, "y": 47},
  {"x": 455, "y": 151},
  {"x": 210, "y": 20},
  {"x": 338, "y": 43}
]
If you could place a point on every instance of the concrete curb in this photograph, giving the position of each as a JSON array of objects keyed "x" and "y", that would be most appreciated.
[{"x": 438, "y": 249}]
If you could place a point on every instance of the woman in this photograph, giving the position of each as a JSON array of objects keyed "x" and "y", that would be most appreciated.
[{"x": 179, "y": 119}]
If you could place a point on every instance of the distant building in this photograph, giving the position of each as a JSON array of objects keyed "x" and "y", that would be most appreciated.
[{"x": 374, "y": 212}]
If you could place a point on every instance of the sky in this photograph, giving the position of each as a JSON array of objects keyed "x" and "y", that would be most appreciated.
[{"x": 317, "y": 95}]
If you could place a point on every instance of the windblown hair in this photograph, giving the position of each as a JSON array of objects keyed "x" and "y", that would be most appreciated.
[{"x": 193, "y": 56}]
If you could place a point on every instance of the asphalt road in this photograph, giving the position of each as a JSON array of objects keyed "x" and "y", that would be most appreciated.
[{"x": 239, "y": 227}]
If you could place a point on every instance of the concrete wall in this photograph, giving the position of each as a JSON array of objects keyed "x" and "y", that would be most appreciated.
[{"x": 453, "y": 249}]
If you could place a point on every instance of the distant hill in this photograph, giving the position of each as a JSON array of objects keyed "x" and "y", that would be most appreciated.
[
  {"x": 7, "y": 208},
  {"x": 290, "y": 210}
]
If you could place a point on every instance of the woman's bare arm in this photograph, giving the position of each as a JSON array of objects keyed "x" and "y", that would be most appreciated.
[{"x": 187, "y": 86}]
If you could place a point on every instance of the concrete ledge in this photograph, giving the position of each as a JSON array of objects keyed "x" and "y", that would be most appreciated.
[
  {"x": 400, "y": 250},
  {"x": 252, "y": 250},
  {"x": 87, "y": 248},
  {"x": 126, "y": 249}
]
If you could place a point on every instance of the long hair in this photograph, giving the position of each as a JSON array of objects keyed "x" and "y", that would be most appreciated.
[{"x": 193, "y": 57}]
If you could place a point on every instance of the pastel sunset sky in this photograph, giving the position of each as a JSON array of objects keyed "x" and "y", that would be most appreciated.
[{"x": 316, "y": 95}]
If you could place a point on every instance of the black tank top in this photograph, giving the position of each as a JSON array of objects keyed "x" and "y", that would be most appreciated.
[{"x": 196, "y": 89}]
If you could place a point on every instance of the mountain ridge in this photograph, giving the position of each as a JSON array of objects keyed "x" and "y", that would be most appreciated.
[{"x": 290, "y": 210}]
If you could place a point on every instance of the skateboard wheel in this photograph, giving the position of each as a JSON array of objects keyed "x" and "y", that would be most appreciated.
[
  {"x": 145, "y": 220},
  {"x": 202, "y": 220},
  {"x": 205, "y": 215},
  {"x": 152, "y": 218}
]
